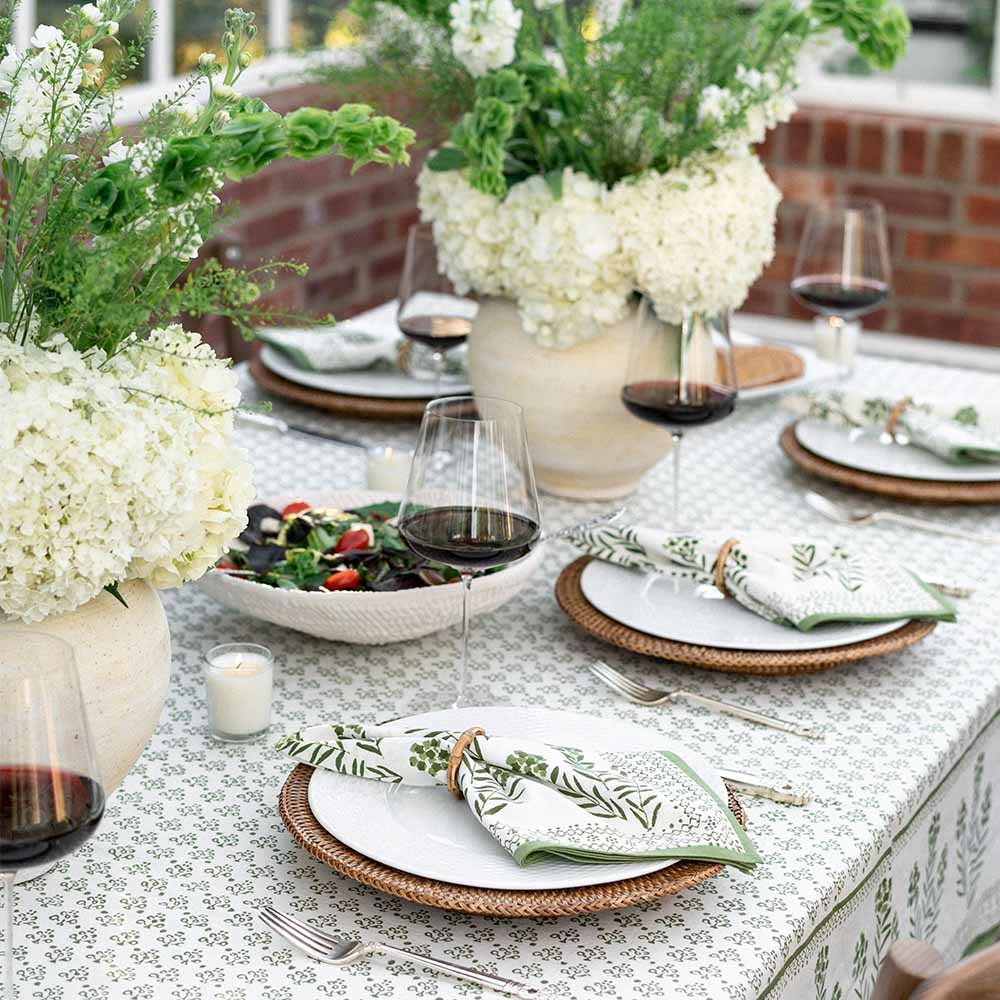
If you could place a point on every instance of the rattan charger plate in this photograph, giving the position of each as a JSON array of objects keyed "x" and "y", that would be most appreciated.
[
  {"x": 732, "y": 661},
  {"x": 897, "y": 487},
  {"x": 341, "y": 404},
  {"x": 293, "y": 806}
]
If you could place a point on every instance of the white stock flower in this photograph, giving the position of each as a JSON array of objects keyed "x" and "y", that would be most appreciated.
[
  {"x": 46, "y": 37},
  {"x": 484, "y": 33},
  {"x": 113, "y": 469},
  {"x": 92, "y": 13}
]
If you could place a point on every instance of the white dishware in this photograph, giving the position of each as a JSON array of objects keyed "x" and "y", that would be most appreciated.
[
  {"x": 362, "y": 617},
  {"x": 864, "y": 449},
  {"x": 428, "y": 832},
  {"x": 388, "y": 468},
  {"x": 670, "y": 608},
  {"x": 379, "y": 383},
  {"x": 837, "y": 342},
  {"x": 239, "y": 683},
  {"x": 816, "y": 371}
]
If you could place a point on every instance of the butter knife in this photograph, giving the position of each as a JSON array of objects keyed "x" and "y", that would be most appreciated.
[
  {"x": 265, "y": 421},
  {"x": 751, "y": 784}
]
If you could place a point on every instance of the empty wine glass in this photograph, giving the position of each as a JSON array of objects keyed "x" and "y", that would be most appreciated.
[
  {"x": 842, "y": 270},
  {"x": 471, "y": 501},
  {"x": 680, "y": 375},
  {"x": 429, "y": 311},
  {"x": 51, "y": 798}
]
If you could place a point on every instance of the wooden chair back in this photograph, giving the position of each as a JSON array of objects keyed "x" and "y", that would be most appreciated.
[{"x": 914, "y": 970}]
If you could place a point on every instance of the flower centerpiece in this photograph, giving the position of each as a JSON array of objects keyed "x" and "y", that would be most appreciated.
[
  {"x": 595, "y": 151},
  {"x": 117, "y": 468}
]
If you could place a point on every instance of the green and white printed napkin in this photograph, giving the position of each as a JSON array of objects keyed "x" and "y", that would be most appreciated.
[
  {"x": 341, "y": 348},
  {"x": 800, "y": 583},
  {"x": 959, "y": 434},
  {"x": 540, "y": 801}
]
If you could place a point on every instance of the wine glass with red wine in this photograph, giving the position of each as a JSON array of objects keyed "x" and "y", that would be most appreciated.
[
  {"x": 471, "y": 501},
  {"x": 680, "y": 376},
  {"x": 842, "y": 270},
  {"x": 51, "y": 798},
  {"x": 429, "y": 312}
]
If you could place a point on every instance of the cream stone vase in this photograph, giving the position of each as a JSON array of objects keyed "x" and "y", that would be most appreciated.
[
  {"x": 584, "y": 444},
  {"x": 123, "y": 657}
]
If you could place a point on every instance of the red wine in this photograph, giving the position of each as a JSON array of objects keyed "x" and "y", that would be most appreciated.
[
  {"x": 469, "y": 538},
  {"x": 45, "y": 814},
  {"x": 438, "y": 332},
  {"x": 662, "y": 402},
  {"x": 827, "y": 293}
]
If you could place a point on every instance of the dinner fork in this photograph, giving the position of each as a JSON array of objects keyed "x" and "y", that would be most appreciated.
[
  {"x": 642, "y": 695},
  {"x": 845, "y": 515},
  {"x": 324, "y": 947}
]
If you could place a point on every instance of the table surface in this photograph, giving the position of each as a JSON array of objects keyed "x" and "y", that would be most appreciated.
[{"x": 161, "y": 902}]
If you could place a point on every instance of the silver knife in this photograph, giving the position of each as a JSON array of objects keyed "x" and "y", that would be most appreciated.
[
  {"x": 750, "y": 784},
  {"x": 253, "y": 418}
]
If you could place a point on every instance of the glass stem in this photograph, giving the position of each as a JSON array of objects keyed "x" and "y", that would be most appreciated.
[
  {"x": 8, "y": 941},
  {"x": 463, "y": 677},
  {"x": 676, "y": 451},
  {"x": 438, "y": 372}
]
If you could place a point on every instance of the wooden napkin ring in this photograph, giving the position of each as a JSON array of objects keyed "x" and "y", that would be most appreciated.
[
  {"x": 896, "y": 413},
  {"x": 461, "y": 745},
  {"x": 720, "y": 565}
]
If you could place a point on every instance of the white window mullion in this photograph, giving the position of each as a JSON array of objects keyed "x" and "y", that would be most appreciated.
[
  {"x": 161, "y": 48},
  {"x": 24, "y": 23},
  {"x": 279, "y": 16}
]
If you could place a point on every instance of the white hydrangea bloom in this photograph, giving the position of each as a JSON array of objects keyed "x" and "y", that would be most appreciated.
[
  {"x": 113, "y": 469},
  {"x": 697, "y": 237},
  {"x": 484, "y": 33}
]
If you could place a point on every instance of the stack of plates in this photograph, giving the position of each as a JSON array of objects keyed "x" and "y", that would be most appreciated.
[{"x": 425, "y": 845}]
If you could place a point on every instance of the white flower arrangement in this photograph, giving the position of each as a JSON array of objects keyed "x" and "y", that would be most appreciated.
[
  {"x": 693, "y": 238},
  {"x": 484, "y": 33}
]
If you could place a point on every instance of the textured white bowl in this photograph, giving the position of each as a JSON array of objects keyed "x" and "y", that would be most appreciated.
[{"x": 366, "y": 618}]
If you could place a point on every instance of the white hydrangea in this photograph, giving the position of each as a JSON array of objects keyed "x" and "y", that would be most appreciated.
[
  {"x": 114, "y": 469},
  {"x": 694, "y": 238},
  {"x": 698, "y": 236},
  {"x": 483, "y": 33}
]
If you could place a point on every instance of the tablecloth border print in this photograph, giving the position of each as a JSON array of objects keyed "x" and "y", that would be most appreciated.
[{"x": 888, "y": 927}]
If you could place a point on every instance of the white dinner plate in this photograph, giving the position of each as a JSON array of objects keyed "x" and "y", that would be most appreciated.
[
  {"x": 428, "y": 832},
  {"x": 862, "y": 450},
  {"x": 669, "y": 609},
  {"x": 816, "y": 371},
  {"x": 379, "y": 383}
]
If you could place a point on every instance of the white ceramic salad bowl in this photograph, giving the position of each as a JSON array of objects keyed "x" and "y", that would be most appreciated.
[{"x": 365, "y": 617}]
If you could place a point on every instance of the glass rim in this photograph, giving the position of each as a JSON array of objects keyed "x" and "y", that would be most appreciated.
[
  {"x": 841, "y": 202},
  {"x": 232, "y": 647},
  {"x": 431, "y": 408}
]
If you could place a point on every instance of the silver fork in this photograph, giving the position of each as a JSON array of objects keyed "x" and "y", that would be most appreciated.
[
  {"x": 642, "y": 695},
  {"x": 324, "y": 947},
  {"x": 845, "y": 515}
]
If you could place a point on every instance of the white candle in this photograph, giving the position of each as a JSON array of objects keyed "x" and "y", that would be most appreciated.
[
  {"x": 840, "y": 349},
  {"x": 239, "y": 681},
  {"x": 389, "y": 469}
]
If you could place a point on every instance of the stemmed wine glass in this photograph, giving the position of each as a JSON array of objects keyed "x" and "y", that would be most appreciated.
[
  {"x": 471, "y": 501},
  {"x": 680, "y": 375},
  {"x": 51, "y": 798},
  {"x": 429, "y": 311},
  {"x": 842, "y": 270}
]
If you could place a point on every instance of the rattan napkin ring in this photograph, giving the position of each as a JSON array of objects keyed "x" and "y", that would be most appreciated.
[
  {"x": 455, "y": 760},
  {"x": 896, "y": 413},
  {"x": 720, "y": 564}
]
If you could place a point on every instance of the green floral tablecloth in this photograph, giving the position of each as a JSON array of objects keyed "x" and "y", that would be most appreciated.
[{"x": 902, "y": 837}]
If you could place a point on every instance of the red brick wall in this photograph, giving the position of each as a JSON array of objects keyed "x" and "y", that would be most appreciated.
[{"x": 940, "y": 184}]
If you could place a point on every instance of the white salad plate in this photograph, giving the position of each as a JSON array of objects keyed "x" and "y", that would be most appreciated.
[
  {"x": 816, "y": 371},
  {"x": 360, "y": 617},
  {"x": 377, "y": 383},
  {"x": 430, "y": 833},
  {"x": 670, "y": 608},
  {"x": 862, "y": 449}
]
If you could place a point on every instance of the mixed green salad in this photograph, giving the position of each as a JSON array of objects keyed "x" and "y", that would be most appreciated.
[{"x": 302, "y": 547}]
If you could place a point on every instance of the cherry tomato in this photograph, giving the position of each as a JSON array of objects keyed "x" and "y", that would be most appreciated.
[
  {"x": 352, "y": 541},
  {"x": 297, "y": 507},
  {"x": 343, "y": 579}
]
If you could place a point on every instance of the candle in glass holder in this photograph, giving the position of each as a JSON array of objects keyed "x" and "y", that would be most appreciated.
[
  {"x": 239, "y": 681},
  {"x": 389, "y": 469}
]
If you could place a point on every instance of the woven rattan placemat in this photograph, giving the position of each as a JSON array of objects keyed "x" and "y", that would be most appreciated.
[
  {"x": 897, "y": 487},
  {"x": 764, "y": 364},
  {"x": 341, "y": 404},
  {"x": 293, "y": 805},
  {"x": 733, "y": 661}
]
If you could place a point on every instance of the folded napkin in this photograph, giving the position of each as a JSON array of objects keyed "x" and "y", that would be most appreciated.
[
  {"x": 793, "y": 582},
  {"x": 958, "y": 434},
  {"x": 540, "y": 801}
]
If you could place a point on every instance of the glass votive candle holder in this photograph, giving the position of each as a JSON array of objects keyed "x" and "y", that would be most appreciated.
[
  {"x": 389, "y": 469},
  {"x": 239, "y": 683}
]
